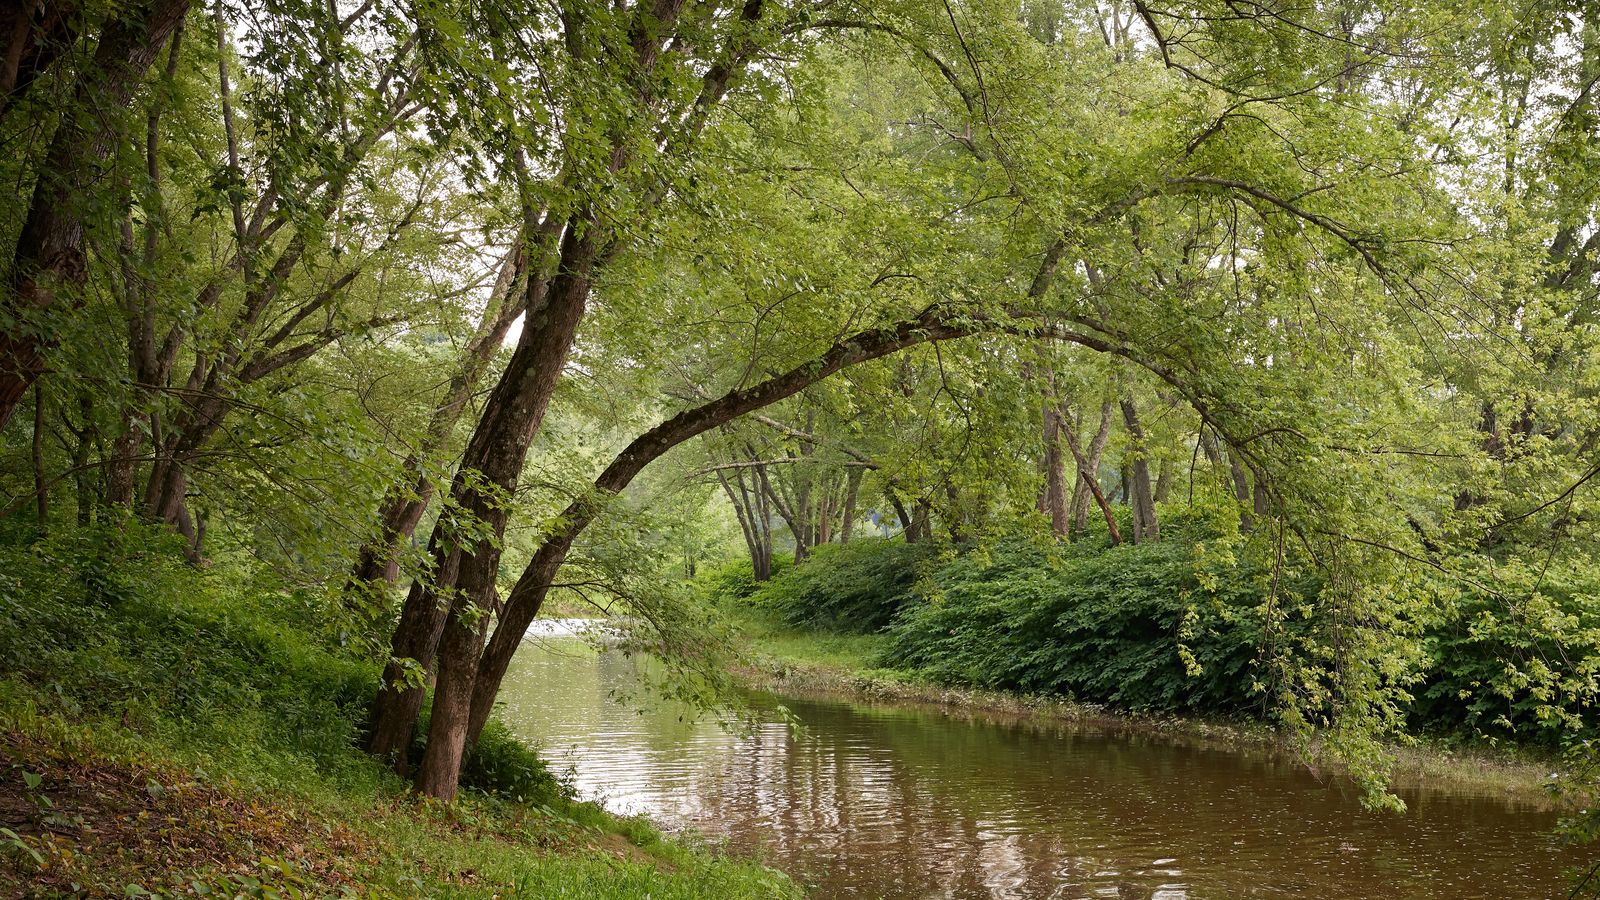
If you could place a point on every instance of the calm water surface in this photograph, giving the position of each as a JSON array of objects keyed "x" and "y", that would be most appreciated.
[{"x": 884, "y": 801}]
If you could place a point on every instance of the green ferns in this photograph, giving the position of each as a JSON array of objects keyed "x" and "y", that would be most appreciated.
[
  {"x": 1182, "y": 626},
  {"x": 1104, "y": 626}
]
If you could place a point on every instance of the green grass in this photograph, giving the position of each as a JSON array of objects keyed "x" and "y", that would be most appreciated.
[
  {"x": 356, "y": 832},
  {"x": 775, "y": 641},
  {"x": 172, "y": 732}
]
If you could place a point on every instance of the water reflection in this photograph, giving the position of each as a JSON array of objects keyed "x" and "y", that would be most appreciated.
[{"x": 881, "y": 801}]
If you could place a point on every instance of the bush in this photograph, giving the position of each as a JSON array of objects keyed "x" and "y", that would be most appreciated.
[
  {"x": 859, "y": 586},
  {"x": 1128, "y": 626},
  {"x": 735, "y": 579},
  {"x": 1523, "y": 665},
  {"x": 500, "y": 765}
]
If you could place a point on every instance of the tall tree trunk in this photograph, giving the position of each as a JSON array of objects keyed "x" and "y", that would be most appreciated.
[
  {"x": 904, "y": 517},
  {"x": 1145, "y": 526},
  {"x": 1241, "y": 490},
  {"x": 489, "y": 470},
  {"x": 48, "y": 265},
  {"x": 793, "y": 507},
  {"x": 749, "y": 507},
  {"x": 1053, "y": 499}
]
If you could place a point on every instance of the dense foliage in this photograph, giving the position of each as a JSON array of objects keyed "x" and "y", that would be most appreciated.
[
  {"x": 859, "y": 586},
  {"x": 1174, "y": 626},
  {"x": 1253, "y": 345}
]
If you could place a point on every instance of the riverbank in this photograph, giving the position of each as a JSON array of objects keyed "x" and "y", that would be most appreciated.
[
  {"x": 97, "y": 809},
  {"x": 802, "y": 663},
  {"x": 172, "y": 731}
]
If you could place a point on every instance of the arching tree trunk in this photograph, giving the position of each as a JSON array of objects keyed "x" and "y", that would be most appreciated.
[{"x": 526, "y": 597}]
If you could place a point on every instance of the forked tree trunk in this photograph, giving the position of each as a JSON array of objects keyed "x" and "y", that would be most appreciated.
[
  {"x": 489, "y": 471},
  {"x": 1088, "y": 478}
]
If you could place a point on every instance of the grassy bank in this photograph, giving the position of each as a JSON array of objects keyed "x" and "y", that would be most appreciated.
[
  {"x": 172, "y": 732},
  {"x": 801, "y": 662}
]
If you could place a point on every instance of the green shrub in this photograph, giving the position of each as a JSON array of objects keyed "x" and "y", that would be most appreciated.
[
  {"x": 735, "y": 579},
  {"x": 859, "y": 586},
  {"x": 1523, "y": 665},
  {"x": 1111, "y": 626},
  {"x": 499, "y": 765},
  {"x": 502, "y": 765}
]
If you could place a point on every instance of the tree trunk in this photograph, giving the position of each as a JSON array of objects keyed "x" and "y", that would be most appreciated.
[
  {"x": 1053, "y": 499},
  {"x": 394, "y": 710},
  {"x": 48, "y": 264},
  {"x": 1145, "y": 526},
  {"x": 1081, "y": 492},
  {"x": 490, "y": 468},
  {"x": 847, "y": 519},
  {"x": 1087, "y": 476},
  {"x": 1241, "y": 490},
  {"x": 750, "y": 508},
  {"x": 34, "y": 35}
]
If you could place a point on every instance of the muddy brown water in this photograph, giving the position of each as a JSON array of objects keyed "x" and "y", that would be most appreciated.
[{"x": 880, "y": 800}]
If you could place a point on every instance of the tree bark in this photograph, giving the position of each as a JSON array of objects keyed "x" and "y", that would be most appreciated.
[
  {"x": 847, "y": 519},
  {"x": 1053, "y": 499},
  {"x": 1081, "y": 492},
  {"x": 489, "y": 472},
  {"x": 34, "y": 34},
  {"x": 1145, "y": 526},
  {"x": 1088, "y": 478},
  {"x": 416, "y": 638},
  {"x": 48, "y": 265}
]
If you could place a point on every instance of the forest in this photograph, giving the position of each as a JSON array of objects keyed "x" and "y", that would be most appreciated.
[{"x": 1231, "y": 361}]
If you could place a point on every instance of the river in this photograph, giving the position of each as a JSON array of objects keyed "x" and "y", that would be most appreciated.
[{"x": 879, "y": 800}]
